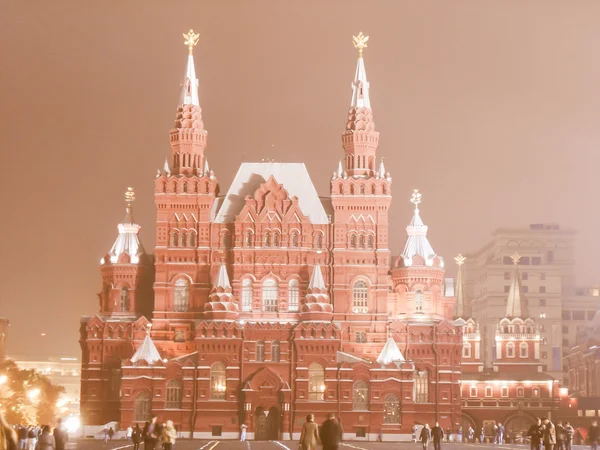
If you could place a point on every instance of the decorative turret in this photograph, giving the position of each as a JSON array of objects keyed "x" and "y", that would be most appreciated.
[
  {"x": 514, "y": 307},
  {"x": 360, "y": 139},
  {"x": 459, "y": 312},
  {"x": 124, "y": 267},
  {"x": 221, "y": 304},
  {"x": 418, "y": 250},
  {"x": 188, "y": 137},
  {"x": 317, "y": 306}
]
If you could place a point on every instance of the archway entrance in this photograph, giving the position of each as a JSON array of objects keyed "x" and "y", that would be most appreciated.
[
  {"x": 516, "y": 427},
  {"x": 266, "y": 424}
]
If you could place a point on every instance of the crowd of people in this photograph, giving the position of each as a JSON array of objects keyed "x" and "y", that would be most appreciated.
[
  {"x": 32, "y": 437},
  {"x": 329, "y": 435}
]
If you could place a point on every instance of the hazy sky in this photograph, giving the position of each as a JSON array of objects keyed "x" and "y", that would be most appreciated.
[{"x": 490, "y": 108}]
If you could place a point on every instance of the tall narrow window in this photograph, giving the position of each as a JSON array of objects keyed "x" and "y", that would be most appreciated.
[
  {"x": 319, "y": 241},
  {"x": 184, "y": 239},
  {"x": 124, "y": 299},
  {"x": 466, "y": 350},
  {"x": 260, "y": 351},
  {"x": 510, "y": 350},
  {"x": 275, "y": 239},
  {"x": 360, "y": 396},
  {"x": 418, "y": 301},
  {"x": 316, "y": 382},
  {"x": 175, "y": 239},
  {"x": 353, "y": 241},
  {"x": 275, "y": 356},
  {"x": 422, "y": 387},
  {"x": 142, "y": 406},
  {"x": 361, "y": 241},
  {"x": 218, "y": 384},
  {"x": 181, "y": 295},
  {"x": 247, "y": 294},
  {"x": 360, "y": 297},
  {"x": 523, "y": 350},
  {"x": 174, "y": 394},
  {"x": 293, "y": 295},
  {"x": 267, "y": 238},
  {"x": 248, "y": 239},
  {"x": 370, "y": 241},
  {"x": 192, "y": 239},
  {"x": 391, "y": 409},
  {"x": 226, "y": 241},
  {"x": 294, "y": 242},
  {"x": 269, "y": 295},
  {"x": 362, "y": 189}
]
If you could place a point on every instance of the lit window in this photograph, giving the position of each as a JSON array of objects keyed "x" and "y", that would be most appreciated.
[
  {"x": 316, "y": 382},
  {"x": 247, "y": 294},
  {"x": 218, "y": 384},
  {"x": 124, "y": 299},
  {"x": 181, "y": 295},
  {"x": 360, "y": 296},
  {"x": 391, "y": 409},
  {"x": 520, "y": 391},
  {"x": 466, "y": 350},
  {"x": 275, "y": 354},
  {"x": 269, "y": 294},
  {"x": 535, "y": 392},
  {"x": 422, "y": 387},
  {"x": 473, "y": 391},
  {"x": 504, "y": 391},
  {"x": 260, "y": 351},
  {"x": 523, "y": 350},
  {"x": 174, "y": 394},
  {"x": 293, "y": 295},
  {"x": 510, "y": 350},
  {"x": 489, "y": 392},
  {"x": 360, "y": 396}
]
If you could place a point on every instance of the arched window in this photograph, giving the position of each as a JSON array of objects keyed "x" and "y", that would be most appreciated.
[
  {"x": 218, "y": 384},
  {"x": 181, "y": 295},
  {"x": 275, "y": 239},
  {"x": 523, "y": 350},
  {"x": 174, "y": 394},
  {"x": 267, "y": 238},
  {"x": 360, "y": 396},
  {"x": 192, "y": 239},
  {"x": 391, "y": 409},
  {"x": 184, "y": 239},
  {"x": 510, "y": 349},
  {"x": 143, "y": 406},
  {"x": 316, "y": 382},
  {"x": 260, "y": 351},
  {"x": 535, "y": 392},
  {"x": 361, "y": 241},
  {"x": 370, "y": 241},
  {"x": 353, "y": 241},
  {"x": 466, "y": 350},
  {"x": 294, "y": 240},
  {"x": 360, "y": 297},
  {"x": 226, "y": 240},
  {"x": 124, "y": 299},
  {"x": 362, "y": 189},
  {"x": 319, "y": 241},
  {"x": 175, "y": 239},
  {"x": 269, "y": 295},
  {"x": 275, "y": 355},
  {"x": 418, "y": 301},
  {"x": 293, "y": 295},
  {"x": 247, "y": 294},
  {"x": 422, "y": 387},
  {"x": 248, "y": 242}
]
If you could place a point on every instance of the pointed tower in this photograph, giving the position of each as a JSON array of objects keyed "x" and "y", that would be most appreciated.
[
  {"x": 361, "y": 198},
  {"x": 185, "y": 192},
  {"x": 221, "y": 304},
  {"x": 317, "y": 305},
  {"x": 418, "y": 274},
  {"x": 514, "y": 302},
  {"x": 124, "y": 269}
]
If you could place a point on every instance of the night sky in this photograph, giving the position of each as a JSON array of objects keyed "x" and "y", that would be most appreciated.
[{"x": 490, "y": 108}]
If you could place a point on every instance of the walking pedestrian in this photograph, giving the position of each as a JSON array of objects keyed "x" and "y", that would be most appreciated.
[
  {"x": 136, "y": 437},
  {"x": 535, "y": 434},
  {"x": 425, "y": 436},
  {"x": 594, "y": 435},
  {"x": 32, "y": 438},
  {"x": 569, "y": 433},
  {"x": 500, "y": 438},
  {"x": 243, "y": 430},
  {"x": 437, "y": 434},
  {"x": 61, "y": 436},
  {"x": 46, "y": 440},
  {"x": 560, "y": 436},
  {"x": 549, "y": 434},
  {"x": 129, "y": 432},
  {"x": 331, "y": 433},
  {"x": 309, "y": 437},
  {"x": 169, "y": 435}
]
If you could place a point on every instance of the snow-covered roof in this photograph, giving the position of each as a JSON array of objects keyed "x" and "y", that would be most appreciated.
[
  {"x": 147, "y": 352},
  {"x": 189, "y": 88},
  {"x": 223, "y": 278},
  {"x": 316, "y": 279},
  {"x": 515, "y": 296},
  {"x": 295, "y": 180},
  {"x": 128, "y": 240},
  {"x": 360, "y": 87},
  {"x": 390, "y": 353},
  {"x": 417, "y": 242}
]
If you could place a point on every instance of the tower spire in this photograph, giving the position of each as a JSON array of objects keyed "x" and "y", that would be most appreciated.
[
  {"x": 189, "y": 89},
  {"x": 128, "y": 240},
  {"x": 360, "y": 139},
  {"x": 460, "y": 303},
  {"x": 417, "y": 243},
  {"x": 514, "y": 306}
]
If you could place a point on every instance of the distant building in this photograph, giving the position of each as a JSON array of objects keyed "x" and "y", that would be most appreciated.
[
  {"x": 269, "y": 303},
  {"x": 65, "y": 372}
]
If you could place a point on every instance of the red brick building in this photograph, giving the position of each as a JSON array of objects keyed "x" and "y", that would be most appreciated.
[{"x": 269, "y": 302}]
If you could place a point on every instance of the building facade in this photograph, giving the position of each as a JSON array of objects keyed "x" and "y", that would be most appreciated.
[{"x": 268, "y": 303}]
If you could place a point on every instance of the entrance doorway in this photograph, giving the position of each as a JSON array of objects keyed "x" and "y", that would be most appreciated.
[{"x": 266, "y": 424}]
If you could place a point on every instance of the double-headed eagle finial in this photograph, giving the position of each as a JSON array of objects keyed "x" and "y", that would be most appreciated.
[
  {"x": 460, "y": 259},
  {"x": 191, "y": 39},
  {"x": 129, "y": 196},
  {"x": 415, "y": 199},
  {"x": 515, "y": 258},
  {"x": 360, "y": 42}
]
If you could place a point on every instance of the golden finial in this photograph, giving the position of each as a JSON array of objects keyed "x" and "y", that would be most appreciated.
[
  {"x": 360, "y": 42},
  {"x": 415, "y": 198},
  {"x": 130, "y": 195},
  {"x": 191, "y": 39},
  {"x": 460, "y": 259},
  {"x": 515, "y": 258}
]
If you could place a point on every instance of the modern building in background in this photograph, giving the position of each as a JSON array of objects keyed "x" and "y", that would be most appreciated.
[
  {"x": 268, "y": 303},
  {"x": 65, "y": 372}
]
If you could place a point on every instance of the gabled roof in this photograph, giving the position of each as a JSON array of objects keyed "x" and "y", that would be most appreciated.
[
  {"x": 390, "y": 353},
  {"x": 295, "y": 179},
  {"x": 147, "y": 352}
]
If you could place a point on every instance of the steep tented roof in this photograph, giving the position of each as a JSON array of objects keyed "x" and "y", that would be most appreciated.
[
  {"x": 295, "y": 180},
  {"x": 390, "y": 353},
  {"x": 417, "y": 242},
  {"x": 316, "y": 279},
  {"x": 514, "y": 302},
  {"x": 147, "y": 352}
]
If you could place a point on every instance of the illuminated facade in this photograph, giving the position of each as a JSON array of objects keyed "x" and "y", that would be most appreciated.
[{"x": 269, "y": 302}]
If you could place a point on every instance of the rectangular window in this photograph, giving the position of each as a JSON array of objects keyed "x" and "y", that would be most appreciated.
[
  {"x": 524, "y": 276},
  {"x": 473, "y": 391},
  {"x": 542, "y": 302},
  {"x": 361, "y": 432},
  {"x": 542, "y": 276},
  {"x": 590, "y": 413},
  {"x": 247, "y": 295},
  {"x": 179, "y": 335},
  {"x": 542, "y": 289},
  {"x": 566, "y": 315},
  {"x": 565, "y": 329},
  {"x": 544, "y": 355},
  {"x": 504, "y": 391},
  {"x": 578, "y": 315},
  {"x": 591, "y": 314},
  {"x": 565, "y": 342},
  {"x": 506, "y": 288},
  {"x": 525, "y": 289},
  {"x": 536, "y": 261},
  {"x": 489, "y": 392},
  {"x": 507, "y": 275},
  {"x": 361, "y": 337}
]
